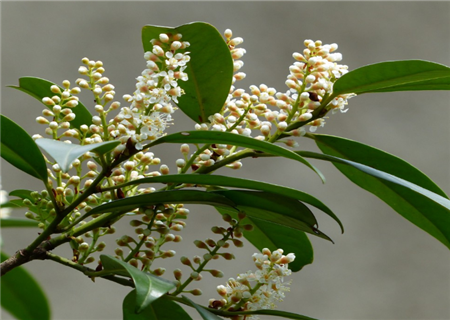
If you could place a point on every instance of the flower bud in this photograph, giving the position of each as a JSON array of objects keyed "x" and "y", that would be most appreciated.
[
  {"x": 177, "y": 274},
  {"x": 216, "y": 273},
  {"x": 197, "y": 292},
  {"x": 159, "y": 271},
  {"x": 200, "y": 244},
  {"x": 185, "y": 260},
  {"x": 168, "y": 254},
  {"x": 222, "y": 290},
  {"x": 164, "y": 169}
]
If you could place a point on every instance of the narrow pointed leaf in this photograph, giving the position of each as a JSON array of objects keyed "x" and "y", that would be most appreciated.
[
  {"x": 22, "y": 193},
  {"x": 20, "y": 150},
  {"x": 224, "y": 181},
  {"x": 148, "y": 287},
  {"x": 16, "y": 222},
  {"x": 405, "y": 75},
  {"x": 210, "y": 69},
  {"x": 275, "y": 236},
  {"x": 403, "y": 187},
  {"x": 172, "y": 196},
  {"x": 205, "y": 314},
  {"x": 274, "y": 209},
  {"x": 212, "y": 137},
  {"x": 64, "y": 153},
  {"x": 161, "y": 309},
  {"x": 279, "y": 314},
  {"x": 22, "y": 296},
  {"x": 40, "y": 88},
  {"x": 13, "y": 204}
]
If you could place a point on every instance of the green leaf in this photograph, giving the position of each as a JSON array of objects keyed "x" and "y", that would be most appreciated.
[
  {"x": 224, "y": 181},
  {"x": 22, "y": 193},
  {"x": 13, "y": 204},
  {"x": 20, "y": 150},
  {"x": 22, "y": 296},
  {"x": 148, "y": 287},
  {"x": 15, "y": 222},
  {"x": 161, "y": 309},
  {"x": 172, "y": 196},
  {"x": 403, "y": 187},
  {"x": 206, "y": 315},
  {"x": 274, "y": 209},
  {"x": 210, "y": 69},
  {"x": 282, "y": 314},
  {"x": 65, "y": 153},
  {"x": 40, "y": 88},
  {"x": 274, "y": 236},
  {"x": 407, "y": 75},
  {"x": 215, "y": 137}
]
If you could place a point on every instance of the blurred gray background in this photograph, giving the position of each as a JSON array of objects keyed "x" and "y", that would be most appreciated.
[{"x": 382, "y": 267}]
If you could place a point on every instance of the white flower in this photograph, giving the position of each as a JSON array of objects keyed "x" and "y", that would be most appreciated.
[
  {"x": 4, "y": 212},
  {"x": 268, "y": 281}
]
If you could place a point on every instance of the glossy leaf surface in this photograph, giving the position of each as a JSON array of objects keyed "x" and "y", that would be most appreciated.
[
  {"x": 405, "y": 75},
  {"x": 205, "y": 314},
  {"x": 20, "y": 150},
  {"x": 274, "y": 209},
  {"x": 215, "y": 137},
  {"x": 65, "y": 153},
  {"x": 275, "y": 236},
  {"x": 22, "y": 296},
  {"x": 161, "y": 309},
  {"x": 148, "y": 287},
  {"x": 403, "y": 187},
  {"x": 210, "y": 69},
  {"x": 172, "y": 196},
  {"x": 40, "y": 88},
  {"x": 224, "y": 181}
]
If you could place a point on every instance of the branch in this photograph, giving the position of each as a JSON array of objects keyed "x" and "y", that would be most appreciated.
[{"x": 21, "y": 257}]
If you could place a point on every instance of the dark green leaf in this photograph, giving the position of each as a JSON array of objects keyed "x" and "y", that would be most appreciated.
[
  {"x": 161, "y": 309},
  {"x": 148, "y": 287},
  {"x": 22, "y": 296},
  {"x": 215, "y": 137},
  {"x": 282, "y": 314},
  {"x": 16, "y": 222},
  {"x": 65, "y": 153},
  {"x": 407, "y": 75},
  {"x": 22, "y": 193},
  {"x": 13, "y": 204},
  {"x": 172, "y": 196},
  {"x": 224, "y": 181},
  {"x": 40, "y": 88},
  {"x": 19, "y": 149},
  {"x": 403, "y": 187},
  {"x": 210, "y": 69},
  {"x": 274, "y": 209},
  {"x": 275, "y": 236},
  {"x": 206, "y": 315}
]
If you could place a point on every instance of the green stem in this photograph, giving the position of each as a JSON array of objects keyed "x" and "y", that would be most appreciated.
[
  {"x": 204, "y": 263},
  {"x": 105, "y": 274}
]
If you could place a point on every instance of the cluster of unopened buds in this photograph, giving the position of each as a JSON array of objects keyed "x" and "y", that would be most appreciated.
[{"x": 256, "y": 290}]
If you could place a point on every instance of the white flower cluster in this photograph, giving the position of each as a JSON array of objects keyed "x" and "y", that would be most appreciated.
[
  {"x": 4, "y": 212},
  {"x": 311, "y": 79},
  {"x": 151, "y": 108},
  {"x": 268, "y": 284}
]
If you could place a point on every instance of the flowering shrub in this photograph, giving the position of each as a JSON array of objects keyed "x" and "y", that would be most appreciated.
[{"x": 98, "y": 169}]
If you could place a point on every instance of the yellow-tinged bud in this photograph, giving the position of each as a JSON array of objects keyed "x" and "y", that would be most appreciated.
[
  {"x": 159, "y": 271},
  {"x": 197, "y": 292}
]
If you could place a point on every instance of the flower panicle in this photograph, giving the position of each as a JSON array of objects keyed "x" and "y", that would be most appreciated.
[{"x": 256, "y": 290}]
